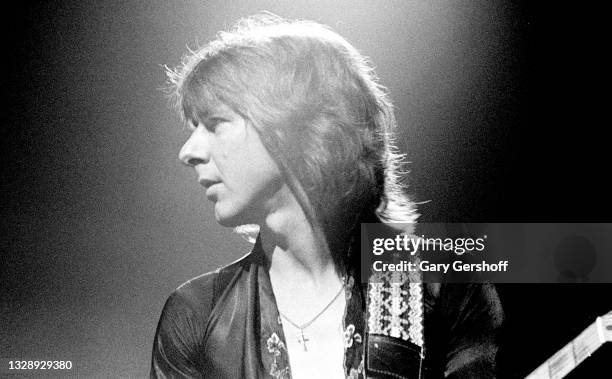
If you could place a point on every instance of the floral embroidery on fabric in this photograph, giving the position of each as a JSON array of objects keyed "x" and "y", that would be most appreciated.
[
  {"x": 354, "y": 328},
  {"x": 350, "y": 282},
  {"x": 356, "y": 372},
  {"x": 276, "y": 347},
  {"x": 350, "y": 336}
]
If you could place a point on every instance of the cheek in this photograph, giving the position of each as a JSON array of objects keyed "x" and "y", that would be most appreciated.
[
  {"x": 259, "y": 181},
  {"x": 232, "y": 150},
  {"x": 222, "y": 150},
  {"x": 246, "y": 166}
]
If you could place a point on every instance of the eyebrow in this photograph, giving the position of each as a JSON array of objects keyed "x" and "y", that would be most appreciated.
[
  {"x": 196, "y": 116},
  {"x": 209, "y": 114}
]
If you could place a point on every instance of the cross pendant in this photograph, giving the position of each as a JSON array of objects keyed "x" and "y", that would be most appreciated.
[{"x": 302, "y": 339}]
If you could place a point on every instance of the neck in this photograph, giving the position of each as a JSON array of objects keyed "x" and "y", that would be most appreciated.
[{"x": 295, "y": 256}]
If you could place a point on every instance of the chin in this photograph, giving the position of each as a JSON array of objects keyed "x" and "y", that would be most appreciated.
[
  {"x": 225, "y": 220},
  {"x": 228, "y": 217},
  {"x": 228, "y": 223}
]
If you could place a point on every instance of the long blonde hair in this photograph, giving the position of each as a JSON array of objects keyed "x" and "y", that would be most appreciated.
[{"x": 319, "y": 109}]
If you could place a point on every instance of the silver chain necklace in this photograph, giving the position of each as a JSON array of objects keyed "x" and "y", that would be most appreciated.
[{"x": 303, "y": 338}]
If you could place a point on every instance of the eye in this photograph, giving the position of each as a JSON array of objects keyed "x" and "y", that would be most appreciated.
[{"x": 213, "y": 123}]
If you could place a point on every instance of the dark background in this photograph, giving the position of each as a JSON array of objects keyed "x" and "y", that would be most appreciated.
[{"x": 502, "y": 110}]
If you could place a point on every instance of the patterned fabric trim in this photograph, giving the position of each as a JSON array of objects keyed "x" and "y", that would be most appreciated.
[
  {"x": 396, "y": 306},
  {"x": 356, "y": 373},
  {"x": 277, "y": 348}
]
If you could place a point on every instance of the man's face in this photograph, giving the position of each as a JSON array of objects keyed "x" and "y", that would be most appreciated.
[{"x": 233, "y": 165}]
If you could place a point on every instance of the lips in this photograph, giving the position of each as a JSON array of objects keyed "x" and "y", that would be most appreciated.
[
  {"x": 208, "y": 182},
  {"x": 211, "y": 192}
]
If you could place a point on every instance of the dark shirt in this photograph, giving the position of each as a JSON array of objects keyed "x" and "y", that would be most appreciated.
[{"x": 225, "y": 324}]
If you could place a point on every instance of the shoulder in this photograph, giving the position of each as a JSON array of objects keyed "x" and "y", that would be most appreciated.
[
  {"x": 197, "y": 295},
  {"x": 185, "y": 312},
  {"x": 465, "y": 299},
  {"x": 180, "y": 331},
  {"x": 180, "y": 335},
  {"x": 464, "y": 319}
]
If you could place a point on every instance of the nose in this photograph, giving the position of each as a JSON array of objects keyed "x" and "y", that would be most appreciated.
[{"x": 196, "y": 149}]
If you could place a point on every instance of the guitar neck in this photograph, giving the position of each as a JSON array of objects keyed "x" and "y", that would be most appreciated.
[{"x": 572, "y": 354}]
